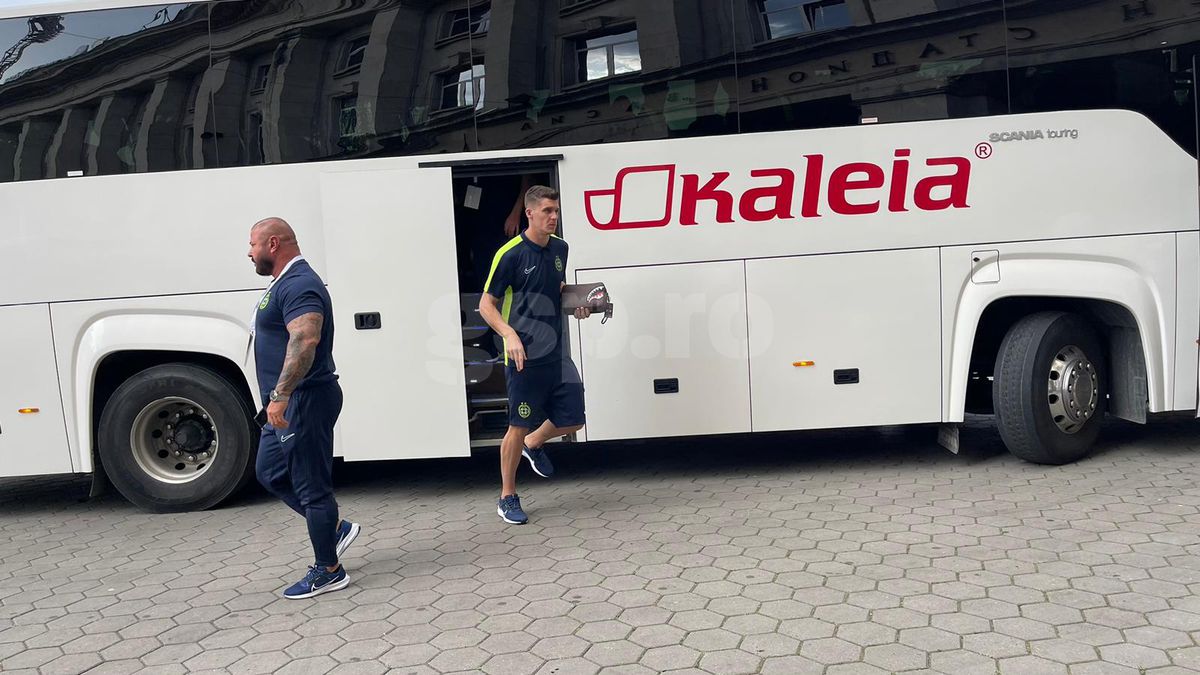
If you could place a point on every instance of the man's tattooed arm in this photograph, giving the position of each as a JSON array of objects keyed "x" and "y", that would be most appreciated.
[{"x": 304, "y": 334}]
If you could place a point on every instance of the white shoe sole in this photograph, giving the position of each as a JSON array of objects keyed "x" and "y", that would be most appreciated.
[
  {"x": 503, "y": 517},
  {"x": 532, "y": 465},
  {"x": 345, "y": 543},
  {"x": 329, "y": 588}
]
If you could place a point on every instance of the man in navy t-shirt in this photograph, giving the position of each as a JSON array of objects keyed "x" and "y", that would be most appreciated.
[
  {"x": 293, "y": 353},
  {"x": 521, "y": 302}
]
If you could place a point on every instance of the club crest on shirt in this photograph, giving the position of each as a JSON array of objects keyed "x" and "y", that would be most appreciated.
[
  {"x": 265, "y": 301},
  {"x": 558, "y": 263}
]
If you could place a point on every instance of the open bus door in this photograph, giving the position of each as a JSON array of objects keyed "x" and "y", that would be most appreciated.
[{"x": 392, "y": 275}]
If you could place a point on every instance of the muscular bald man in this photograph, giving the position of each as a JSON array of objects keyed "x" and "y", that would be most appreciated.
[{"x": 293, "y": 350}]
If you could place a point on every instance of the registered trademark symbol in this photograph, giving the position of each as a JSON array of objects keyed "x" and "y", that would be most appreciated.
[{"x": 983, "y": 150}]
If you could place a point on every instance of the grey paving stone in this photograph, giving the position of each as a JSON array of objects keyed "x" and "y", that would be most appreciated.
[{"x": 898, "y": 558}]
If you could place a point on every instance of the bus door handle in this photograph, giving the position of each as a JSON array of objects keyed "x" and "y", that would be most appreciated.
[{"x": 367, "y": 321}]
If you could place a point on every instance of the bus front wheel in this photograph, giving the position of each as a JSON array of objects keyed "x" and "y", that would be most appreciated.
[
  {"x": 176, "y": 437},
  {"x": 1050, "y": 388}
]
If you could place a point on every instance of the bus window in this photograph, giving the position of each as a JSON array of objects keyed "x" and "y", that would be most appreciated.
[
  {"x": 1131, "y": 57},
  {"x": 822, "y": 63},
  {"x": 578, "y": 73},
  {"x": 89, "y": 92}
]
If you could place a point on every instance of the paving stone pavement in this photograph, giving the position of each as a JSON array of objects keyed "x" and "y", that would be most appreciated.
[{"x": 839, "y": 553}]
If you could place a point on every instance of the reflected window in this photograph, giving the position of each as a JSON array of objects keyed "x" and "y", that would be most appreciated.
[
  {"x": 347, "y": 123},
  {"x": 353, "y": 52},
  {"x": 475, "y": 21},
  {"x": 781, "y": 18},
  {"x": 257, "y": 152},
  {"x": 130, "y": 129},
  {"x": 90, "y": 138},
  {"x": 601, "y": 56},
  {"x": 463, "y": 87},
  {"x": 261, "y": 73}
]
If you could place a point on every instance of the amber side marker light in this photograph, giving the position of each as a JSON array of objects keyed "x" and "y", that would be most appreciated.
[
  {"x": 803, "y": 364},
  {"x": 29, "y": 411}
]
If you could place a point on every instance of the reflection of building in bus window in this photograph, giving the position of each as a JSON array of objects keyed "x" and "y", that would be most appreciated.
[
  {"x": 781, "y": 18},
  {"x": 352, "y": 54},
  {"x": 462, "y": 87},
  {"x": 606, "y": 55},
  {"x": 346, "y": 117},
  {"x": 470, "y": 20},
  {"x": 232, "y": 83}
]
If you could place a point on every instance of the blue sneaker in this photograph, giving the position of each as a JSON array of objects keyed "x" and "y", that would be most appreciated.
[
  {"x": 347, "y": 533},
  {"x": 509, "y": 508},
  {"x": 316, "y": 582},
  {"x": 539, "y": 461}
]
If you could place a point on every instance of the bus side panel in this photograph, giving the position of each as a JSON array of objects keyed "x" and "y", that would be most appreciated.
[
  {"x": 694, "y": 199},
  {"x": 153, "y": 234},
  {"x": 31, "y": 443},
  {"x": 672, "y": 361},
  {"x": 1187, "y": 327},
  {"x": 868, "y": 323}
]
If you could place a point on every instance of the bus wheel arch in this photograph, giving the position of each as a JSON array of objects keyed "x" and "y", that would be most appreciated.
[
  {"x": 1009, "y": 328},
  {"x": 139, "y": 399}
]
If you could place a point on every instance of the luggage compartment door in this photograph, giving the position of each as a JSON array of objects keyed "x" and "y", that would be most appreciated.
[
  {"x": 672, "y": 361},
  {"x": 845, "y": 340}
]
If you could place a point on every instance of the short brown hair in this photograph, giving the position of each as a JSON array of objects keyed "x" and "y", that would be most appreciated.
[{"x": 535, "y": 195}]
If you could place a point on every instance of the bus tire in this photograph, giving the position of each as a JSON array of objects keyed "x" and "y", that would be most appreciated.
[
  {"x": 177, "y": 437},
  {"x": 1050, "y": 388}
]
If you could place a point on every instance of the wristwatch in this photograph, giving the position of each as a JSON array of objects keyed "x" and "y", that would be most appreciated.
[{"x": 276, "y": 396}]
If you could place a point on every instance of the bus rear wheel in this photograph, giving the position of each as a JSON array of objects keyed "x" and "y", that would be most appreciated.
[
  {"x": 176, "y": 437},
  {"x": 1050, "y": 388}
]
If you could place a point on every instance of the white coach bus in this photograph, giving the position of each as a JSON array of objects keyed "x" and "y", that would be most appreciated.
[{"x": 809, "y": 214}]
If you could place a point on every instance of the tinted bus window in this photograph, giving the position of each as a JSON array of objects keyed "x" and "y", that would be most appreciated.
[
  {"x": 563, "y": 73},
  {"x": 97, "y": 92},
  {"x": 301, "y": 81},
  {"x": 822, "y": 63},
  {"x": 1132, "y": 56}
]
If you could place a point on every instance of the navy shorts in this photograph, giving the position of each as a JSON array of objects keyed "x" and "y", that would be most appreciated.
[{"x": 551, "y": 391}]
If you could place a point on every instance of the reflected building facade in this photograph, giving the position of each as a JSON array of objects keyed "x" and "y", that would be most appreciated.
[{"x": 248, "y": 82}]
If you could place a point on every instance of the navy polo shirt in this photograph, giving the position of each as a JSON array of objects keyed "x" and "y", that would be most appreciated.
[
  {"x": 529, "y": 279},
  {"x": 299, "y": 291}
]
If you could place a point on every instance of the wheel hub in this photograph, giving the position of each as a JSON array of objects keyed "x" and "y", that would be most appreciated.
[
  {"x": 191, "y": 435},
  {"x": 174, "y": 440},
  {"x": 1073, "y": 389}
]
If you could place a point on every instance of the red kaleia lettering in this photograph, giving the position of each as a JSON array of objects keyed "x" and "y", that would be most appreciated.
[{"x": 851, "y": 189}]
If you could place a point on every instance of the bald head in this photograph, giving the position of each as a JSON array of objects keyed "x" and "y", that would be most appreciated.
[
  {"x": 272, "y": 245},
  {"x": 275, "y": 227}
]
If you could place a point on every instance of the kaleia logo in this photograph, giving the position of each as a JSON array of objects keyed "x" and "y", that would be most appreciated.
[{"x": 855, "y": 188}]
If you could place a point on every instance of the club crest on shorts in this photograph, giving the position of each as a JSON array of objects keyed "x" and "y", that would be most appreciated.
[
  {"x": 524, "y": 410},
  {"x": 265, "y": 301}
]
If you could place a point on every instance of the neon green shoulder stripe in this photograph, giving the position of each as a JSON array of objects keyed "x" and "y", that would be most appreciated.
[{"x": 496, "y": 260}]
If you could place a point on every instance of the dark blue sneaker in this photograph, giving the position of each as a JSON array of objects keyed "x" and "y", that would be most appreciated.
[
  {"x": 316, "y": 582},
  {"x": 539, "y": 461},
  {"x": 347, "y": 533},
  {"x": 509, "y": 508}
]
